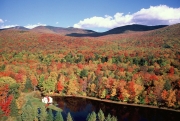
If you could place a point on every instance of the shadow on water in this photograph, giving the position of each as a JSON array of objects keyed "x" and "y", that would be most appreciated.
[{"x": 80, "y": 108}]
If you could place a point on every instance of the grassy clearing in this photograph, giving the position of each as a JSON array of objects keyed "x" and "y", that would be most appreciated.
[{"x": 35, "y": 99}]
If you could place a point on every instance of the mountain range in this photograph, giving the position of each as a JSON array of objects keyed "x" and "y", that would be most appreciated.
[
  {"x": 76, "y": 32},
  {"x": 120, "y": 30},
  {"x": 47, "y": 38}
]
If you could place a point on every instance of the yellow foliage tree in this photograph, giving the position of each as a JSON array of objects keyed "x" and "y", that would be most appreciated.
[
  {"x": 72, "y": 87},
  {"x": 113, "y": 91},
  {"x": 171, "y": 99},
  {"x": 93, "y": 87},
  {"x": 138, "y": 90}
]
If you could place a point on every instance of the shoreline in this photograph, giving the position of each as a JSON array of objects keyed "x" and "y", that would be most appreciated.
[{"x": 116, "y": 102}]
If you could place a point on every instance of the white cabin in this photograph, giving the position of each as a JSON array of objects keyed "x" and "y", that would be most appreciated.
[{"x": 47, "y": 100}]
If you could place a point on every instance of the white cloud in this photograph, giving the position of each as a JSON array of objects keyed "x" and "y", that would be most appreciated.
[
  {"x": 30, "y": 26},
  {"x": 155, "y": 15},
  {"x": 57, "y": 22},
  {"x": 7, "y": 26},
  {"x": 1, "y": 21},
  {"x": 95, "y": 22}
]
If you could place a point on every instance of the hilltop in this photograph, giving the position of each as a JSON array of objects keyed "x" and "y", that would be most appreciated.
[
  {"x": 120, "y": 30},
  {"x": 44, "y": 37},
  {"x": 16, "y": 28},
  {"x": 60, "y": 30}
]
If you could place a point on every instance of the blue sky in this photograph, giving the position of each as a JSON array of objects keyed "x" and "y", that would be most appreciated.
[{"x": 98, "y": 15}]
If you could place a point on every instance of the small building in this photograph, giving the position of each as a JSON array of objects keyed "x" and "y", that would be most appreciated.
[{"x": 47, "y": 100}]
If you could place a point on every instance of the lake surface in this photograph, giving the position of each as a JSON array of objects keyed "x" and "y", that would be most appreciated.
[{"x": 81, "y": 107}]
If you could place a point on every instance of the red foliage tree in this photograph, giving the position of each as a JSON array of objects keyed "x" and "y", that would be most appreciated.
[
  {"x": 19, "y": 77},
  {"x": 171, "y": 71},
  {"x": 131, "y": 90},
  {"x": 80, "y": 66},
  {"x": 5, "y": 73},
  {"x": 60, "y": 87},
  {"x": 59, "y": 66},
  {"x": 34, "y": 82},
  {"x": 5, "y": 99}
]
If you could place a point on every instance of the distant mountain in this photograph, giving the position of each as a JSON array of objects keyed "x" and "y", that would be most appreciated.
[
  {"x": 52, "y": 30},
  {"x": 61, "y": 30},
  {"x": 120, "y": 30},
  {"x": 21, "y": 28},
  {"x": 42, "y": 29},
  {"x": 76, "y": 32}
]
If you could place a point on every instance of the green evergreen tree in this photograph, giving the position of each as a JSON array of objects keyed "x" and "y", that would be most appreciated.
[
  {"x": 108, "y": 118},
  {"x": 2, "y": 68},
  {"x": 14, "y": 89},
  {"x": 69, "y": 58},
  {"x": 69, "y": 118},
  {"x": 2, "y": 118},
  {"x": 58, "y": 116},
  {"x": 101, "y": 116},
  {"x": 84, "y": 73},
  {"x": 50, "y": 116},
  {"x": 114, "y": 118},
  {"x": 1, "y": 112},
  {"x": 14, "y": 108},
  {"x": 35, "y": 111},
  {"x": 43, "y": 113},
  {"x": 167, "y": 85},
  {"x": 18, "y": 118},
  {"x": 28, "y": 85},
  {"x": 91, "y": 117},
  {"x": 40, "y": 81},
  {"x": 27, "y": 113}
]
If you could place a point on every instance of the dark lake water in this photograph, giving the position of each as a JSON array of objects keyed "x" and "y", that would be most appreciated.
[{"x": 80, "y": 108}]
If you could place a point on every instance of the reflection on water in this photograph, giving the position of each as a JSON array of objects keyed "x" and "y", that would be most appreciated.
[{"x": 80, "y": 108}]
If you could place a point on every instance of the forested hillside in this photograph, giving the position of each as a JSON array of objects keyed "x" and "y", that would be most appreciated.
[{"x": 140, "y": 67}]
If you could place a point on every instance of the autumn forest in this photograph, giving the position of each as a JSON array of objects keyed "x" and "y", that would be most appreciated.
[{"x": 140, "y": 68}]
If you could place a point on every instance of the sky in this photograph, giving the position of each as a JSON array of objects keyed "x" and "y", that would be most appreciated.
[{"x": 97, "y": 15}]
